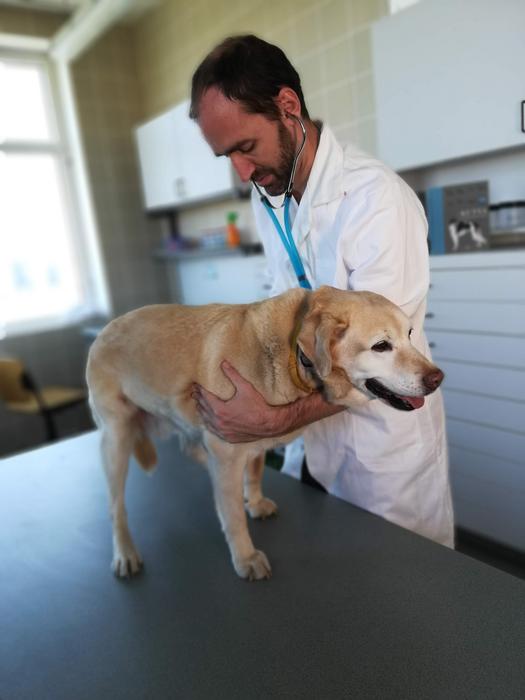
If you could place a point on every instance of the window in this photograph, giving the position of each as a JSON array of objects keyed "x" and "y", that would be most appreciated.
[{"x": 41, "y": 276}]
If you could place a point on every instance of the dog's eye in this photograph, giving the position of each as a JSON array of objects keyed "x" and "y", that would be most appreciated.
[{"x": 383, "y": 346}]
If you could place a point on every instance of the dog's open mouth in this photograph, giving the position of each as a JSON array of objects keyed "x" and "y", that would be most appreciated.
[{"x": 403, "y": 403}]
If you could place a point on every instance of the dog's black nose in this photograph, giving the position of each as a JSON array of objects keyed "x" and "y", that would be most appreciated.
[{"x": 433, "y": 379}]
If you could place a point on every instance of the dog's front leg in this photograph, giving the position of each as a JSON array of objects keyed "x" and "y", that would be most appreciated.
[
  {"x": 226, "y": 471},
  {"x": 256, "y": 504}
]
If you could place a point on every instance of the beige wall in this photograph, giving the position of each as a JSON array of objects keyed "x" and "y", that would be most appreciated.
[
  {"x": 29, "y": 22},
  {"x": 328, "y": 41},
  {"x": 106, "y": 88}
]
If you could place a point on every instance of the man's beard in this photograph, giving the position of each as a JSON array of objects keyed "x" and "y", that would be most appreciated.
[{"x": 281, "y": 174}]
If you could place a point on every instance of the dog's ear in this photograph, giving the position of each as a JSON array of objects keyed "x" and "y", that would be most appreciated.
[{"x": 319, "y": 332}]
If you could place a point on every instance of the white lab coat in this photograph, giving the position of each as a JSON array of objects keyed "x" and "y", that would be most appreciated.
[{"x": 359, "y": 226}]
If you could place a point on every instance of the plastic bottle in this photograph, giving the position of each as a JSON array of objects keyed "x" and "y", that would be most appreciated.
[{"x": 233, "y": 237}]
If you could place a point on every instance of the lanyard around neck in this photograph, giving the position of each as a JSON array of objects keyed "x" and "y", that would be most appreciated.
[{"x": 288, "y": 241}]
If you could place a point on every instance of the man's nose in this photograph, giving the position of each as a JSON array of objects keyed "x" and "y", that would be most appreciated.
[
  {"x": 433, "y": 379},
  {"x": 243, "y": 166}
]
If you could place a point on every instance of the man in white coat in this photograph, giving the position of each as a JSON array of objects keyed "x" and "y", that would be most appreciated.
[{"x": 356, "y": 225}]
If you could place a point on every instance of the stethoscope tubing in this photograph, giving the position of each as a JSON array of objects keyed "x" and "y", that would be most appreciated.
[{"x": 286, "y": 235}]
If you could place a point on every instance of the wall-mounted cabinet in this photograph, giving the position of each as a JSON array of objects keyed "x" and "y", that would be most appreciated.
[
  {"x": 448, "y": 80},
  {"x": 177, "y": 166}
]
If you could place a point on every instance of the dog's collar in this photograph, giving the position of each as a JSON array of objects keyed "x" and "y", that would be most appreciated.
[{"x": 292, "y": 362}]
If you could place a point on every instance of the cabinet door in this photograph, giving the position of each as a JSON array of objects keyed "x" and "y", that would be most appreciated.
[
  {"x": 226, "y": 280},
  {"x": 449, "y": 80},
  {"x": 160, "y": 167},
  {"x": 202, "y": 174}
]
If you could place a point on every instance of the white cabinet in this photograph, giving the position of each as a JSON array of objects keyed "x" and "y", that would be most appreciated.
[
  {"x": 157, "y": 149},
  {"x": 177, "y": 166},
  {"x": 476, "y": 328},
  {"x": 448, "y": 80},
  {"x": 226, "y": 279}
]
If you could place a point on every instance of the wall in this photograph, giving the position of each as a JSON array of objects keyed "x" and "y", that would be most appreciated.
[
  {"x": 108, "y": 104},
  {"x": 503, "y": 170},
  {"x": 328, "y": 41}
]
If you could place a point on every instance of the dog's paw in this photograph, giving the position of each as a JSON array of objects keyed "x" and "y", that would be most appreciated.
[
  {"x": 126, "y": 563},
  {"x": 254, "y": 567},
  {"x": 264, "y": 508}
]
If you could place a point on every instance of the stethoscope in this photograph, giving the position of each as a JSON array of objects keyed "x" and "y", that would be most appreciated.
[{"x": 286, "y": 235}]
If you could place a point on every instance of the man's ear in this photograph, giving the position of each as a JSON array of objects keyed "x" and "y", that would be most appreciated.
[
  {"x": 319, "y": 332},
  {"x": 288, "y": 102}
]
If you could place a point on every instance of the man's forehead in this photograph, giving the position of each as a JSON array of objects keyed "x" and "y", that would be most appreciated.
[{"x": 222, "y": 121}]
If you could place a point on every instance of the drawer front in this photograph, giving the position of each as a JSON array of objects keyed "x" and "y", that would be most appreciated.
[
  {"x": 501, "y": 444},
  {"x": 476, "y": 466},
  {"x": 489, "y": 381},
  {"x": 498, "y": 413},
  {"x": 493, "y": 284},
  {"x": 486, "y": 317},
  {"x": 488, "y": 494},
  {"x": 486, "y": 349}
]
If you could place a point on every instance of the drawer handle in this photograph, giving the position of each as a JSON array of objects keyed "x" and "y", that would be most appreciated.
[
  {"x": 431, "y": 344},
  {"x": 429, "y": 314},
  {"x": 267, "y": 286}
]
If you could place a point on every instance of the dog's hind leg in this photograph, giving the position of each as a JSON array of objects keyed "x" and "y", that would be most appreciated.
[
  {"x": 256, "y": 504},
  {"x": 226, "y": 466},
  {"x": 117, "y": 443}
]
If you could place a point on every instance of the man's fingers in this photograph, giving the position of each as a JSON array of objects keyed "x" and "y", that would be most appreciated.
[{"x": 235, "y": 378}]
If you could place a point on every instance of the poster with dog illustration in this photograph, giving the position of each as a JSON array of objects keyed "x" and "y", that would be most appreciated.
[{"x": 458, "y": 217}]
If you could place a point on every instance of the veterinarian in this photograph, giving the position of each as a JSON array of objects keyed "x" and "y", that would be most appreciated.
[{"x": 355, "y": 225}]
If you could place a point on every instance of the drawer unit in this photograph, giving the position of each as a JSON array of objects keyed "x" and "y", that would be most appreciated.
[{"x": 476, "y": 328}]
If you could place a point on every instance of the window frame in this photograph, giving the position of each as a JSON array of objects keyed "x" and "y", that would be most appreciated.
[{"x": 92, "y": 286}]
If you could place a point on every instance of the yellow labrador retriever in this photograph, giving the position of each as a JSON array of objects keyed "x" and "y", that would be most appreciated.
[{"x": 351, "y": 346}]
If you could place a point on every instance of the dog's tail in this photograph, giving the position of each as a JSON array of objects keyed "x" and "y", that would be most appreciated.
[{"x": 145, "y": 452}]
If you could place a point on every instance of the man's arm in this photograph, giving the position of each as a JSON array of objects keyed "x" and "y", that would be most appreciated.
[{"x": 247, "y": 417}]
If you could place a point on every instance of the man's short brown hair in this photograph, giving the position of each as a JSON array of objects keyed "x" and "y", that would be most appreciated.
[{"x": 249, "y": 70}]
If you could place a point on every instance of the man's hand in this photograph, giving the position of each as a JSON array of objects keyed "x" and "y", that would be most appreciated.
[
  {"x": 247, "y": 417},
  {"x": 243, "y": 418}
]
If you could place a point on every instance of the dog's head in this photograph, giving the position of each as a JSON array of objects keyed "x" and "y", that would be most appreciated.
[{"x": 361, "y": 341}]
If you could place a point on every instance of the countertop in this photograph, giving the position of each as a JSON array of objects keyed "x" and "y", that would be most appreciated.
[
  {"x": 357, "y": 607},
  {"x": 184, "y": 254}
]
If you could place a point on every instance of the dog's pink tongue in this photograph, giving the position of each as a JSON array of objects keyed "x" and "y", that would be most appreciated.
[{"x": 414, "y": 401}]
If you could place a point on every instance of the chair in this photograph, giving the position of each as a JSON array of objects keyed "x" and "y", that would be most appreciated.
[{"x": 21, "y": 394}]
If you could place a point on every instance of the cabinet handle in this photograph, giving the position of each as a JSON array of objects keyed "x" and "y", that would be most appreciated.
[
  {"x": 429, "y": 314},
  {"x": 431, "y": 344},
  {"x": 267, "y": 286},
  {"x": 523, "y": 116}
]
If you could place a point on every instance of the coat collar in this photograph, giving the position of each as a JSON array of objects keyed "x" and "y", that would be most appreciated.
[{"x": 325, "y": 183}]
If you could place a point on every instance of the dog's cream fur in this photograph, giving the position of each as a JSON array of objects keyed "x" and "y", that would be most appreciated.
[{"x": 142, "y": 367}]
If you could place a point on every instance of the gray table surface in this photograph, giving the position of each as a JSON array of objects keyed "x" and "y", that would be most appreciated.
[{"x": 357, "y": 608}]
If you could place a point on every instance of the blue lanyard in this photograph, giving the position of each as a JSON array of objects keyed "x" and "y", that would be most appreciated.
[{"x": 288, "y": 241}]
